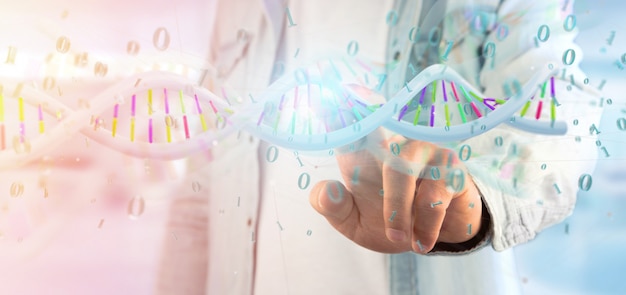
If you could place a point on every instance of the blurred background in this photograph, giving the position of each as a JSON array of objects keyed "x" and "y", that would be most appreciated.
[{"x": 586, "y": 254}]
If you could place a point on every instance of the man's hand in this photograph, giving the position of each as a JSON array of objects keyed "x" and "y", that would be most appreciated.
[{"x": 401, "y": 195}]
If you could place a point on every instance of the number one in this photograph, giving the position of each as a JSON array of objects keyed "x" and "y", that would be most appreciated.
[
  {"x": 289, "y": 18},
  {"x": 444, "y": 57}
]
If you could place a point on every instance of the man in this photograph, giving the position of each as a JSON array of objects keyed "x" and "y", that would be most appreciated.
[{"x": 262, "y": 238}]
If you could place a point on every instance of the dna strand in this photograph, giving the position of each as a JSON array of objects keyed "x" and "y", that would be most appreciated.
[{"x": 166, "y": 116}]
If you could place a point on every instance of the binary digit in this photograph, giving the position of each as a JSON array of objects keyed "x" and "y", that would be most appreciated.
[
  {"x": 543, "y": 33},
  {"x": 289, "y": 18},
  {"x": 584, "y": 182},
  {"x": 161, "y": 39},
  {"x": 272, "y": 154},
  {"x": 136, "y": 207},
  {"x": 63, "y": 44},
  {"x": 331, "y": 195},
  {"x": 621, "y": 124},
  {"x": 49, "y": 83},
  {"x": 569, "y": 56},
  {"x": 465, "y": 152},
  {"x": 304, "y": 180},
  {"x": 456, "y": 180},
  {"x": 392, "y": 18},
  {"x": 11, "y": 55},
  {"x": 434, "y": 173},
  {"x": 395, "y": 148},
  {"x": 449, "y": 45},
  {"x": 196, "y": 186},
  {"x": 81, "y": 59},
  {"x": 414, "y": 34},
  {"x": 593, "y": 129},
  {"x": 100, "y": 69},
  {"x": 499, "y": 141},
  {"x": 606, "y": 152},
  {"x": 434, "y": 36},
  {"x": 503, "y": 32},
  {"x": 17, "y": 189},
  {"x": 480, "y": 22},
  {"x": 489, "y": 50},
  {"x": 570, "y": 23},
  {"x": 512, "y": 87},
  {"x": 132, "y": 48},
  {"x": 353, "y": 48}
]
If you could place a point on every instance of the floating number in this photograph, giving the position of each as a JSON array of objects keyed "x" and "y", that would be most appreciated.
[
  {"x": 100, "y": 69},
  {"x": 499, "y": 141},
  {"x": 81, "y": 59},
  {"x": 584, "y": 182},
  {"x": 132, "y": 48},
  {"x": 489, "y": 50},
  {"x": 449, "y": 45},
  {"x": 11, "y": 55},
  {"x": 17, "y": 189},
  {"x": 289, "y": 18},
  {"x": 49, "y": 83},
  {"x": 161, "y": 39},
  {"x": 135, "y": 207},
  {"x": 331, "y": 195},
  {"x": 621, "y": 124},
  {"x": 465, "y": 152},
  {"x": 196, "y": 186},
  {"x": 392, "y": 18},
  {"x": 395, "y": 148},
  {"x": 353, "y": 48},
  {"x": 434, "y": 36},
  {"x": 512, "y": 87},
  {"x": 304, "y": 180},
  {"x": 63, "y": 44},
  {"x": 570, "y": 23},
  {"x": 272, "y": 154},
  {"x": 414, "y": 34},
  {"x": 434, "y": 173},
  {"x": 456, "y": 180},
  {"x": 569, "y": 56},
  {"x": 543, "y": 33},
  {"x": 503, "y": 32},
  {"x": 480, "y": 22}
]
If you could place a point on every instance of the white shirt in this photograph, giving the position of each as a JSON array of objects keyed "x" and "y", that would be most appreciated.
[{"x": 259, "y": 218}]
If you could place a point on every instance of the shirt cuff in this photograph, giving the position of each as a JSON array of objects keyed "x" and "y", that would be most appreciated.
[{"x": 479, "y": 241}]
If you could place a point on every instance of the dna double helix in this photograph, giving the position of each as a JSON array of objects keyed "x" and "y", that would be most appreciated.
[{"x": 167, "y": 116}]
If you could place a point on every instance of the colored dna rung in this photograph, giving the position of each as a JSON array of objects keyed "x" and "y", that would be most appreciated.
[
  {"x": 188, "y": 106},
  {"x": 465, "y": 104},
  {"x": 312, "y": 110},
  {"x": 447, "y": 108},
  {"x": 531, "y": 116},
  {"x": 171, "y": 110},
  {"x": 128, "y": 117}
]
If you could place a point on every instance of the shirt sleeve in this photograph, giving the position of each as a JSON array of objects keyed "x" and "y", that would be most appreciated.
[{"x": 529, "y": 181}]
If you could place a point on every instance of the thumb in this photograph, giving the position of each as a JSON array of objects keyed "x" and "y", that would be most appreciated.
[{"x": 333, "y": 200}]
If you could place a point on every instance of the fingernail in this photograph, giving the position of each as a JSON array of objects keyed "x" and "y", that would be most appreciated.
[
  {"x": 395, "y": 235},
  {"x": 420, "y": 246}
]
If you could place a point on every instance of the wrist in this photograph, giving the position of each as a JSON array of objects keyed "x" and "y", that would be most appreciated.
[{"x": 474, "y": 242}]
